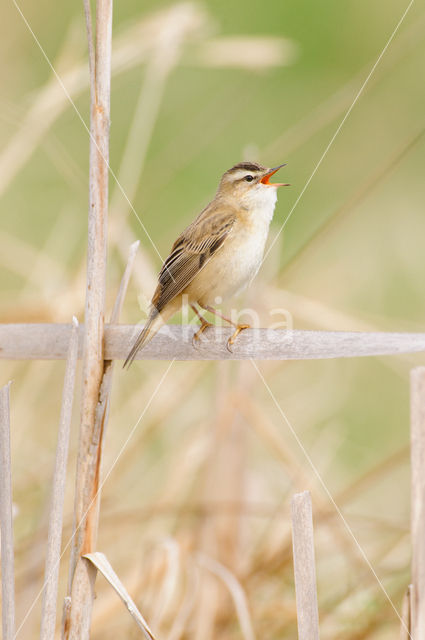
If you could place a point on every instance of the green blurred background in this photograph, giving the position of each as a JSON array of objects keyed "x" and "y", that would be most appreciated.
[{"x": 197, "y": 87}]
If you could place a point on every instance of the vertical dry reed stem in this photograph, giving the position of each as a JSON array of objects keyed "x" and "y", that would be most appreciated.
[
  {"x": 90, "y": 445},
  {"x": 304, "y": 566},
  {"x": 6, "y": 520},
  {"x": 406, "y": 615},
  {"x": 48, "y": 616},
  {"x": 417, "y": 382}
]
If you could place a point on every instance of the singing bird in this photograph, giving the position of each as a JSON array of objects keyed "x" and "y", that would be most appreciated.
[{"x": 218, "y": 254}]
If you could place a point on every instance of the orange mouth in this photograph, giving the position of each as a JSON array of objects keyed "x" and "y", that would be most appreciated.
[{"x": 266, "y": 179}]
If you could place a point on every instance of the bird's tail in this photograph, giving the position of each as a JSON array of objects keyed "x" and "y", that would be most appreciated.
[{"x": 153, "y": 324}]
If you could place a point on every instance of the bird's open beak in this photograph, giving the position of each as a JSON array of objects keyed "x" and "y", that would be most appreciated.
[{"x": 265, "y": 179}]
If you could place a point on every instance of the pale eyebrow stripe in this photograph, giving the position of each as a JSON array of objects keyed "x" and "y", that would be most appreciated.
[{"x": 241, "y": 173}]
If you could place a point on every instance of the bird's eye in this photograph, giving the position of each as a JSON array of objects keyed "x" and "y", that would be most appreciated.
[{"x": 249, "y": 178}]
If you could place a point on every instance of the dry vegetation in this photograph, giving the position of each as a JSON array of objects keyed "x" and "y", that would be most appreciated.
[{"x": 199, "y": 462}]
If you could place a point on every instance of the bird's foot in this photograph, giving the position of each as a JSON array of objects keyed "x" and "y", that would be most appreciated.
[
  {"x": 204, "y": 325},
  {"x": 231, "y": 340}
]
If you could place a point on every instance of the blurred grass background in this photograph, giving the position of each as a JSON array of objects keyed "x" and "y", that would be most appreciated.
[{"x": 211, "y": 467}]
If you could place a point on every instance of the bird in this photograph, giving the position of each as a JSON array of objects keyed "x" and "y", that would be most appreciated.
[{"x": 218, "y": 254}]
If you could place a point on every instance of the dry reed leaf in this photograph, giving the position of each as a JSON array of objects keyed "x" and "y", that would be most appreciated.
[{"x": 101, "y": 562}]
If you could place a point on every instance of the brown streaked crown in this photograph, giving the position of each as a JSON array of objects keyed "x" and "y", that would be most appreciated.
[{"x": 246, "y": 166}]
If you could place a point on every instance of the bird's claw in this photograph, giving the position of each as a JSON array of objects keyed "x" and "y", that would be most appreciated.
[
  {"x": 233, "y": 337},
  {"x": 197, "y": 335}
]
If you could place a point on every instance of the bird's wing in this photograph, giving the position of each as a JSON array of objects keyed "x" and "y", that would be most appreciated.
[{"x": 189, "y": 254}]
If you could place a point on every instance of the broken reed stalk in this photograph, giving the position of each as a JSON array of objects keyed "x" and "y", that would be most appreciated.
[
  {"x": 417, "y": 601},
  {"x": 6, "y": 520},
  {"x": 54, "y": 538},
  {"x": 304, "y": 566},
  {"x": 90, "y": 443}
]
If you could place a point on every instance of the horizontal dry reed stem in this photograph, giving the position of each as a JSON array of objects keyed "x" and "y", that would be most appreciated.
[{"x": 50, "y": 342}]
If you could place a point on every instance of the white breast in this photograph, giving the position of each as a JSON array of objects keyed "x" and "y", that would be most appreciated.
[
  {"x": 237, "y": 262},
  {"x": 247, "y": 250}
]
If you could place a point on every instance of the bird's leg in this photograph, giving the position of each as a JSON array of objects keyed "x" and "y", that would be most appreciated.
[
  {"x": 204, "y": 325},
  {"x": 238, "y": 327},
  {"x": 231, "y": 340}
]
